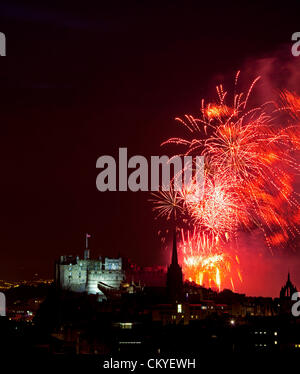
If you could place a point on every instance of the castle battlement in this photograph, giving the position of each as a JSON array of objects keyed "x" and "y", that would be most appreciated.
[{"x": 84, "y": 275}]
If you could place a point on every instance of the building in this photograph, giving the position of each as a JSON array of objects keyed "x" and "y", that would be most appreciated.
[
  {"x": 288, "y": 289},
  {"x": 174, "y": 277},
  {"x": 285, "y": 298},
  {"x": 93, "y": 276}
]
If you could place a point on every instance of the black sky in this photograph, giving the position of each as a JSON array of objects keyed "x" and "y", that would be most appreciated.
[{"x": 80, "y": 81}]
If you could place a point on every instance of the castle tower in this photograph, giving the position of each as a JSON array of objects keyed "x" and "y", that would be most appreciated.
[{"x": 174, "y": 276}]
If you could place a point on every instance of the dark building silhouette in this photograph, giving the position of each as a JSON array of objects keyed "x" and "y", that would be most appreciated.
[
  {"x": 285, "y": 302},
  {"x": 288, "y": 289},
  {"x": 174, "y": 277}
]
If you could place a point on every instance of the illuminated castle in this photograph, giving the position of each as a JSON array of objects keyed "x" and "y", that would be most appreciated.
[{"x": 91, "y": 276}]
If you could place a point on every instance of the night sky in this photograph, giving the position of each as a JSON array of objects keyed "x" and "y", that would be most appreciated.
[{"x": 81, "y": 80}]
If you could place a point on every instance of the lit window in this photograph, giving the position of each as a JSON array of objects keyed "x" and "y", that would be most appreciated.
[
  {"x": 179, "y": 308},
  {"x": 126, "y": 325}
]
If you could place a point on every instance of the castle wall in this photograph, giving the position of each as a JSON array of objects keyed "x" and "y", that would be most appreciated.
[{"x": 84, "y": 275}]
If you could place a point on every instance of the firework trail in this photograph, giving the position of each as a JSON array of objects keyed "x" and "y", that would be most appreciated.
[
  {"x": 205, "y": 262},
  {"x": 167, "y": 203},
  {"x": 291, "y": 103},
  {"x": 250, "y": 165}
]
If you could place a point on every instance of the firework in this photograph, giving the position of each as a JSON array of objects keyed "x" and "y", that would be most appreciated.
[
  {"x": 205, "y": 262},
  {"x": 167, "y": 203},
  {"x": 216, "y": 212},
  {"x": 250, "y": 165},
  {"x": 291, "y": 103}
]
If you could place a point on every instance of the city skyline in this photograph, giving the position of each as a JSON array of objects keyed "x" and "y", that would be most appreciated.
[
  {"x": 63, "y": 108},
  {"x": 246, "y": 287}
]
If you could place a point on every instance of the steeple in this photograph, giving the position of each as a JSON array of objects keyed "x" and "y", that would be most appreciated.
[
  {"x": 174, "y": 276},
  {"x": 174, "y": 252},
  {"x": 288, "y": 289}
]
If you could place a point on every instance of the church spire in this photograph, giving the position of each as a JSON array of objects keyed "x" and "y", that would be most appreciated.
[
  {"x": 288, "y": 289},
  {"x": 174, "y": 276},
  {"x": 174, "y": 252}
]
